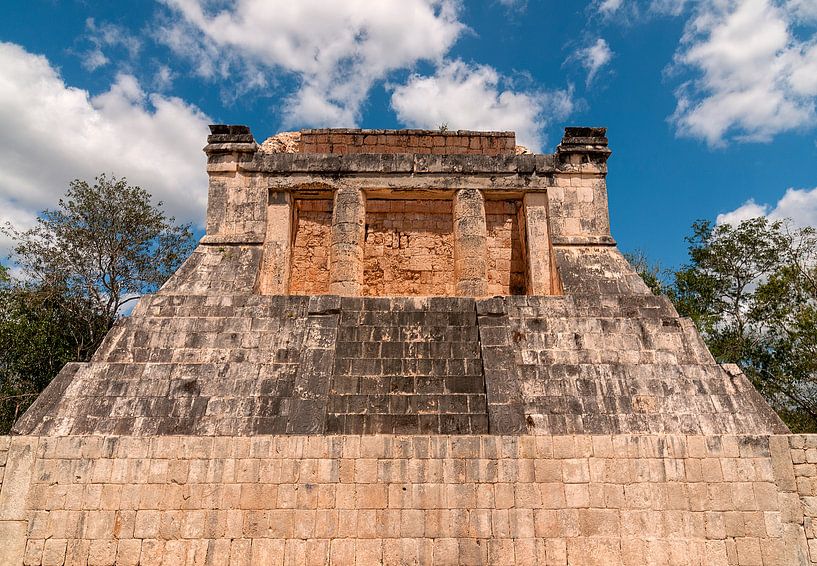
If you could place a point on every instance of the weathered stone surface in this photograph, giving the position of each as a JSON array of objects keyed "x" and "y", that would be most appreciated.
[
  {"x": 284, "y": 142},
  {"x": 470, "y": 244},
  {"x": 407, "y": 367},
  {"x": 347, "y": 242},
  {"x": 438, "y": 142},
  {"x": 409, "y": 248},
  {"x": 310, "y": 247},
  {"x": 242, "y": 364},
  {"x": 326, "y": 499}
]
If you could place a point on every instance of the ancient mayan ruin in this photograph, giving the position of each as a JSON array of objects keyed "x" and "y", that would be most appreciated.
[{"x": 405, "y": 347}]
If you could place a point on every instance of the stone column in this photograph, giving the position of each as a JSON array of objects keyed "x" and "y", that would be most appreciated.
[
  {"x": 470, "y": 243},
  {"x": 537, "y": 240},
  {"x": 348, "y": 234},
  {"x": 275, "y": 267}
]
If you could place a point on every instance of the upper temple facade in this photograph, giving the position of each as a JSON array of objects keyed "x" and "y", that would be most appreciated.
[
  {"x": 406, "y": 282},
  {"x": 411, "y": 212}
]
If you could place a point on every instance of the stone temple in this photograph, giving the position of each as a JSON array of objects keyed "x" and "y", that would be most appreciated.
[{"x": 405, "y": 347}]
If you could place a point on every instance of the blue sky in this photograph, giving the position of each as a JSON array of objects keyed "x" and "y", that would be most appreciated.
[{"x": 710, "y": 104}]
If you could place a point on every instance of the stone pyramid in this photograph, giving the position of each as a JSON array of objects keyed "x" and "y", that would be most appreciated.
[
  {"x": 405, "y": 346},
  {"x": 403, "y": 282}
]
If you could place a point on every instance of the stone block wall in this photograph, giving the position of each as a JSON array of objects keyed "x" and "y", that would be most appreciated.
[
  {"x": 310, "y": 248},
  {"x": 462, "y": 142},
  {"x": 404, "y": 370},
  {"x": 217, "y": 270},
  {"x": 584, "y": 500},
  {"x": 408, "y": 248},
  {"x": 506, "y": 265}
]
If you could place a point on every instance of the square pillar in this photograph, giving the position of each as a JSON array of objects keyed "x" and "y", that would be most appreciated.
[
  {"x": 275, "y": 267},
  {"x": 470, "y": 244},
  {"x": 348, "y": 235},
  {"x": 235, "y": 202},
  {"x": 537, "y": 241}
]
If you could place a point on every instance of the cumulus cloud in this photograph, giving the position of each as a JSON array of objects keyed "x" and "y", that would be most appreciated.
[
  {"x": 472, "y": 97},
  {"x": 593, "y": 58},
  {"x": 755, "y": 77},
  {"x": 749, "y": 209},
  {"x": 53, "y": 133},
  {"x": 336, "y": 49},
  {"x": 94, "y": 59},
  {"x": 800, "y": 205}
]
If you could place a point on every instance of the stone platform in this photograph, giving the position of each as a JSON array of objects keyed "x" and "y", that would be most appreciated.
[
  {"x": 479, "y": 499},
  {"x": 244, "y": 365},
  {"x": 405, "y": 347}
]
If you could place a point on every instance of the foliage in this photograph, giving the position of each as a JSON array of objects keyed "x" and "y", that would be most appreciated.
[
  {"x": 39, "y": 333},
  {"x": 106, "y": 244},
  {"x": 103, "y": 247},
  {"x": 751, "y": 289}
]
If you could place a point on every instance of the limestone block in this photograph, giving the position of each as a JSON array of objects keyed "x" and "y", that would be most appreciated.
[
  {"x": 17, "y": 477},
  {"x": 550, "y": 499},
  {"x": 539, "y": 253},
  {"x": 13, "y": 535}
]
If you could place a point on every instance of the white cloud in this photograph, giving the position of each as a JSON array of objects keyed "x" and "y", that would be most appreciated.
[
  {"x": 337, "y": 49},
  {"x": 593, "y": 58},
  {"x": 51, "y": 133},
  {"x": 756, "y": 79},
  {"x": 669, "y": 7},
  {"x": 800, "y": 205},
  {"x": 749, "y": 209},
  {"x": 94, "y": 59},
  {"x": 609, "y": 7},
  {"x": 107, "y": 35},
  {"x": 520, "y": 5},
  {"x": 470, "y": 97},
  {"x": 163, "y": 78},
  {"x": 803, "y": 10}
]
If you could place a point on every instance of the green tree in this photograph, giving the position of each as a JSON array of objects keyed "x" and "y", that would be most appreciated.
[
  {"x": 788, "y": 301},
  {"x": 39, "y": 333},
  {"x": 718, "y": 288},
  {"x": 104, "y": 246},
  {"x": 751, "y": 290}
]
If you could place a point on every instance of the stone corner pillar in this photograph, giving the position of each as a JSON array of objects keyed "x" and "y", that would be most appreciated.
[
  {"x": 348, "y": 235},
  {"x": 580, "y": 188},
  {"x": 275, "y": 266},
  {"x": 230, "y": 191},
  {"x": 470, "y": 244}
]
